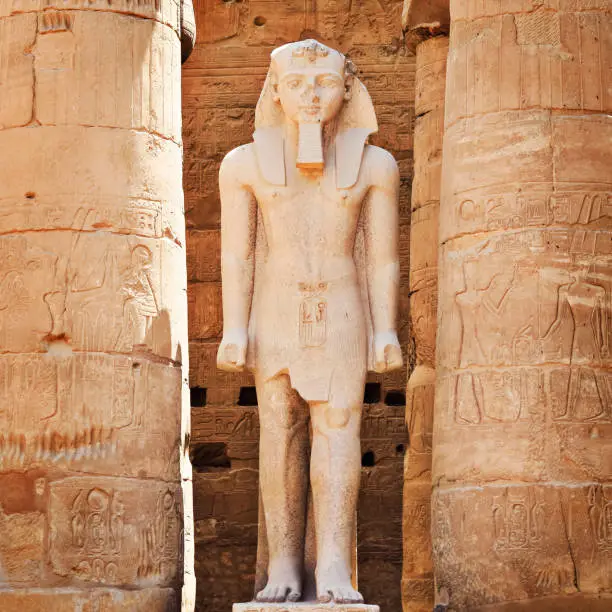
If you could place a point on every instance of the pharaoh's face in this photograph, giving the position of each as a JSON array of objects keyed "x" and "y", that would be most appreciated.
[{"x": 311, "y": 94}]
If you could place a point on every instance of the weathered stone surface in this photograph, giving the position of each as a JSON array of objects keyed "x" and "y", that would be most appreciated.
[
  {"x": 164, "y": 11},
  {"x": 417, "y": 575},
  {"x": 575, "y": 601},
  {"x": 93, "y": 308},
  {"x": 529, "y": 56},
  {"x": 17, "y": 36},
  {"x": 205, "y": 312},
  {"x": 105, "y": 530},
  {"x": 141, "y": 200},
  {"x": 204, "y": 256},
  {"x": 90, "y": 412},
  {"x": 90, "y": 600},
  {"x": 102, "y": 295},
  {"x": 22, "y": 545},
  {"x": 521, "y": 461}
]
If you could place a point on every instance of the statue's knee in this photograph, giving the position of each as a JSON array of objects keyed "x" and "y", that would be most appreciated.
[
  {"x": 338, "y": 417},
  {"x": 284, "y": 414}
]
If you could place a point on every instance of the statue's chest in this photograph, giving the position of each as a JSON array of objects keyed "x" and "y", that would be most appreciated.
[{"x": 314, "y": 200}]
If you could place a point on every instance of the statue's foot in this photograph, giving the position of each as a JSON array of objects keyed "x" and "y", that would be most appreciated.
[
  {"x": 282, "y": 586},
  {"x": 336, "y": 586}
]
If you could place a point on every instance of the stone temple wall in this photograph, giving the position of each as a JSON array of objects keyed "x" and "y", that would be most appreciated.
[{"x": 221, "y": 84}]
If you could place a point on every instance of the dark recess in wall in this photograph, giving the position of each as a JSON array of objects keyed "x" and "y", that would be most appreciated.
[{"x": 208, "y": 456}]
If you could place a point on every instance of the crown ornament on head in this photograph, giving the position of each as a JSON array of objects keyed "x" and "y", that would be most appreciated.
[
  {"x": 304, "y": 53},
  {"x": 310, "y": 50}
]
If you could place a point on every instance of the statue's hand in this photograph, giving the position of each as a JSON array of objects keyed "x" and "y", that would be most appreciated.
[
  {"x": 232, "y": 351},
  {"x": 387, "y": 352}
]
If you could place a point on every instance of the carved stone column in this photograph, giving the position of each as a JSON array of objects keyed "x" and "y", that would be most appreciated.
[
  {"x": 523, "y": 420},
  {"x": 93, "y": 330},
  {"x": 430, "y": 44}
]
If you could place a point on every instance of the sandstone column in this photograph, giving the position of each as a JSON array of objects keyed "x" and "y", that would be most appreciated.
[
  {"x": 427, "y": 37},
  {"x": 92, "y": 306},
  {"x": 522, "y": 431}
]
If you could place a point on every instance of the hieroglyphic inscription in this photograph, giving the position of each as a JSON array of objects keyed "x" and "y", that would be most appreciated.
[
  {"x": 572, "y": 323},
  {"x": 507, "y": 395},
  {"x": 97, "y": 531},
  {"x": 106, "y": 295},
  {"x": 134, "y": 216},
  {"x": 113, "y": 531},
  {"x": 313, "y": 315},
  {"x": 158, "y": 540},
  {"x": 600, "y": 515},
  {"x": 16, "y": 74},
  {"x": 588, "y": 511},
  {"x": 419, "y": 410},
  {"x": 80, "y": 409},
  {"x": 503, "y": 211},
  {"x": 507, "y": 525},
  {"x": 528, "y": 60},
  {"x": 518, "y": 517},
  {"x": 99, "y": 295}
]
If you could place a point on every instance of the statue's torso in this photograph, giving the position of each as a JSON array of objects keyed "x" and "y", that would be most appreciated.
[
  {"x": 310, "y": 227},
  {"x": 308, "y": 314}
]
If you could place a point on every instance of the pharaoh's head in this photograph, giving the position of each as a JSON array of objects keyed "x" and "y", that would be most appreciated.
[
  {"x": 310, "y": 81},
  {"x": 312, "y": 85}
]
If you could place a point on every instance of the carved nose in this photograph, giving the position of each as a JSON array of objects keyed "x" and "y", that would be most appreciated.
[{"x": 311, "y": 94}]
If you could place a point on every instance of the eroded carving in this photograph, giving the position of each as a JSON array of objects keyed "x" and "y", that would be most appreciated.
[
  {"x": 84, "y": 408},
  {"x": 94, "y": 530}
]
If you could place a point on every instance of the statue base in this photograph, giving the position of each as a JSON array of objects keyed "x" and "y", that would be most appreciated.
[{"x": 302, "y": 606}]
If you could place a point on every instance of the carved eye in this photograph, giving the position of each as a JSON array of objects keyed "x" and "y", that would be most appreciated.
[{"x": 328, "y": 82}]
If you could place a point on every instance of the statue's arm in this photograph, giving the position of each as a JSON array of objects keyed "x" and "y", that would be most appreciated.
[
  {"x": 238, "y": 231},
  {"x": 382, "y": 255}
]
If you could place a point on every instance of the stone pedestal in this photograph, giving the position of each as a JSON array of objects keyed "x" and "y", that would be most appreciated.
[
  {"x": 302, "y": 607},
  {"x": 93, "y": 331}
]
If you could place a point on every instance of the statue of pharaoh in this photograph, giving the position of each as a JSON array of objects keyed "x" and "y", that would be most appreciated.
[{"x": 310, "y": 286}]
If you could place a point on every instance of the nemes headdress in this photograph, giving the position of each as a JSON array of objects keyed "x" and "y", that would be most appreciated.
[{"x": 356, "y": 121}]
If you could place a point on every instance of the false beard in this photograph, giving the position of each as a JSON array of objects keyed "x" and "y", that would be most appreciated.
[{"x": 310, "y": 146}]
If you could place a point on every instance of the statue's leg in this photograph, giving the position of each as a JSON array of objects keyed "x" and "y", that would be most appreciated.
[
  {"x": 283, "y": 477},
  {"x": 335, "y": 470}
]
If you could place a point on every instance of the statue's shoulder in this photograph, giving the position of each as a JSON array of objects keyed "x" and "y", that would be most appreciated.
[
  {"x": 240, "y": 163},
  {"x": 379, "y": 159},
  {"x": 380, "y": 166}
]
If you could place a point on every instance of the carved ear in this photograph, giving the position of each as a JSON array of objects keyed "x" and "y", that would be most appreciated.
[{"x": 267, "y": 112}]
